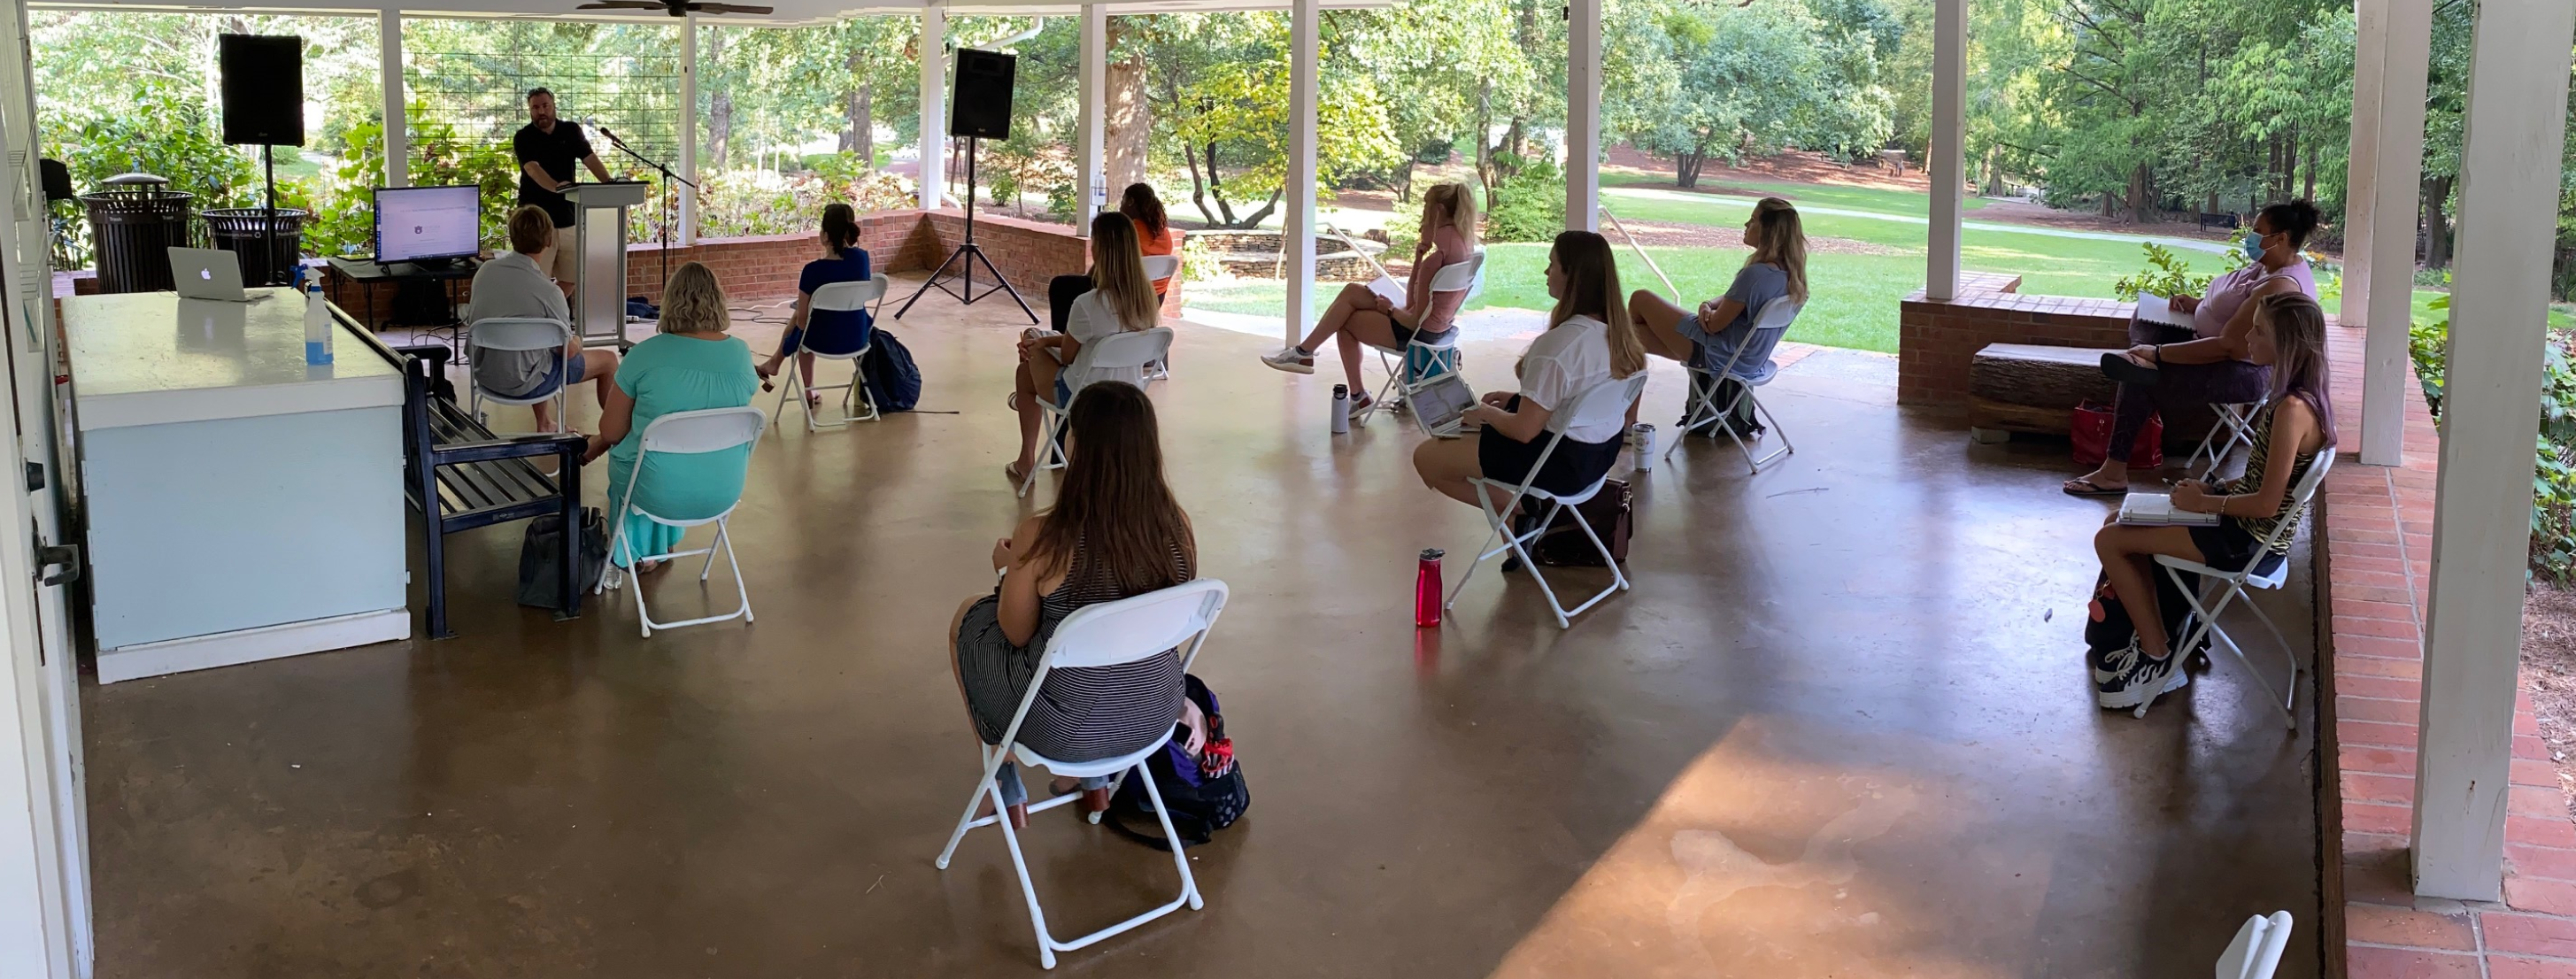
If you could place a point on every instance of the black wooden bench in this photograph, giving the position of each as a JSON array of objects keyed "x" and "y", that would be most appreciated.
[{"x": 461, "y": 476}]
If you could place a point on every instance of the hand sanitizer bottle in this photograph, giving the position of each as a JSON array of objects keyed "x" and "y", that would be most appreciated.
[{"x": 317, "y": 326}]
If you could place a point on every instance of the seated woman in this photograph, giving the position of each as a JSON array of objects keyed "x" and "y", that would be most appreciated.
[
  {"x": 692, "y": 365},
  {"x": 513, "y": 285},
  {"x": 2211, "y": 363},
  {"x": 1121, "y": 302},
  {"x": 2287, "y": 331},
  {"x": 1115, "y": 532},
  {"x": 1154, "y": 235},
  {"x": 1357, "y": 316},
  {"x": 1588, "y": 341},
  {"x": 1708, "y": 338},
  {"x": 832, "y": 331}
]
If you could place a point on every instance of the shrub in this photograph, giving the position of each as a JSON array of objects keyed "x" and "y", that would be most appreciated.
[
  {"x": 2165, "y": 275},
  {"x": 2553, "y": 478},
  {"x": 1528, "y": 206}
]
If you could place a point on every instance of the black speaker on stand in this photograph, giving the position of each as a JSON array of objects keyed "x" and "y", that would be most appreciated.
[
  {"x": 979, "y": 109},
  {"x": 263, "y": 92}
]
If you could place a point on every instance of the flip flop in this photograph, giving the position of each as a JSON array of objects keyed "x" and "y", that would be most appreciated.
[
  {"x": 2092, "y": 489},
  {"x": 1010, "y": 470},
  {"x": 2120, "y": 368}
]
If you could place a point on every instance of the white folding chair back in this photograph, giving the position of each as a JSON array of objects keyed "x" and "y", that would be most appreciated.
[
  {"x": 521, "y": 334},
  {"x": 1160, "y": 267},
  {"x": 1606, "y": 401},
  {"x": 2237, "y": 422},
  {"x": 684, "y": 433},
  {"x": 1424, "y": 359},
  {"x": 2229, "y": 585},
  {"x": 856, "y": 405},
  {"x": 1467, "y": 276},
  {"x": 1106, "y": 634},
  {"x": 1119, "y": 351},
  {"x": 1704, "y": 412},
  {"x": 2256, "y": 952}
]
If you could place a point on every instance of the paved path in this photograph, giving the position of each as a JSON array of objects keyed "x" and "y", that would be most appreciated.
[{"x": 1640, "y": 193}]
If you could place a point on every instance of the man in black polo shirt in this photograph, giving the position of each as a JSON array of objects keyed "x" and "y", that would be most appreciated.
[{"x": 547, "y": 148}]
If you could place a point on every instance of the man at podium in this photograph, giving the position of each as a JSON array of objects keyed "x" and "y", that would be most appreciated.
[{"x": 547, "y": 147}]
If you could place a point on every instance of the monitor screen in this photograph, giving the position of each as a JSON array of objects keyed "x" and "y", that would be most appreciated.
[{"x": 417, "y": 223}]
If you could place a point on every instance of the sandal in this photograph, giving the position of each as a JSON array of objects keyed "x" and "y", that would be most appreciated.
[
  {"x": 2084, "y": 487},
  {"x": 1013, "y": 472}
]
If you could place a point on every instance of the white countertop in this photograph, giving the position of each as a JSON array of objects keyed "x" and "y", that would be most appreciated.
[{"x": 153, "y": 358}]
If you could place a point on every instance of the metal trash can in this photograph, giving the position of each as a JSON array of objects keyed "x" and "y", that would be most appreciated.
[
  {"x": 132, "y": 225},
  {"x": 244, "y": 231}
]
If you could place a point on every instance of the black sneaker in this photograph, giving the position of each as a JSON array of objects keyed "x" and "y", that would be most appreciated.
[
  {"x": 2109, "y": 666},
  {"x": 2147, "y": 679},
  {"x": 1521, "y": 525}
]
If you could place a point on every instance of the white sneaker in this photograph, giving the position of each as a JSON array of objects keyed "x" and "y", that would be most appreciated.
[{"x": 1292, "y": 360}]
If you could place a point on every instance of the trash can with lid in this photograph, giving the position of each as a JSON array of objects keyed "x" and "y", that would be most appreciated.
[
  {"x": 244, "y": 231},
  {"x": 133, "y": 222}
]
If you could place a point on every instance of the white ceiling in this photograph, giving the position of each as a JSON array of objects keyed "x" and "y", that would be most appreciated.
[{"x": 787, "y": 13}]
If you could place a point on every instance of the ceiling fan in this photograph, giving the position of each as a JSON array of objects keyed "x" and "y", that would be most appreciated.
[{"x": 675, "y": 8}]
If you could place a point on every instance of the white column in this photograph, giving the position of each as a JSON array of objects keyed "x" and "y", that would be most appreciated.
[
  {"x": 934, "y": 104},
  {"x": 688, "y": 231},
  {"x": 1090, "y": 131},
  {"x": 2370, "y": 41},
  {"x": 389, "y": 66},
  {"x": 1303, "y": 19},
  {"x": 2397, "y": 176},
  {"x": 1949, "y": 141},
  {"x": 2510, "y": 158},
  {"x": 1583, "y": 115}
]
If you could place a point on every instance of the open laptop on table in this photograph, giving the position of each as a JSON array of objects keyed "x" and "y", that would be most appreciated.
[
  {"x": 1441, "y": 406},
  {"x": 209, "y": 273}
]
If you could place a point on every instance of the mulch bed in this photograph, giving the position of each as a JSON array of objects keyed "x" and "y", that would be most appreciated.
[{"x": 2549, "y": 670}]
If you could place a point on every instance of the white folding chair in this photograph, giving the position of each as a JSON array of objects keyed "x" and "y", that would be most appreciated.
[
  {"x": 2256, "y": 952},
  {"x": 1424, "y": 359},
  {"x": 2237, "y": 420},
  {"x": 684, "y": 433},
  {"x": 519, "y": 334},
  {"x": 838, "y": 297},
  {"x": 1157, "y": 269},
  {"x": 1608, "y": 400},
  {"x": 2230, "y": 586},
  {"x": 1106, "y": 634},
  {"x": 1135, "y": 349},
  {"x": 1704, "y": 412}
]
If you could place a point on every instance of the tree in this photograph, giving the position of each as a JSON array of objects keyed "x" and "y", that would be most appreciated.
[{"x": 1752, "y": 81}]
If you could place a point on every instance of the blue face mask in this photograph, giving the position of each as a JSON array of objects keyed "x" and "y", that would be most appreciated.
[{"x": 2253, "y": 246}]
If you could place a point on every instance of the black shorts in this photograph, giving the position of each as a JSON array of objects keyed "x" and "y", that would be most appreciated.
[
  {"x": 1403, "y": 334},
  {"x": 2228, "y": 546},
  {"x": 1574, "y": 467}
]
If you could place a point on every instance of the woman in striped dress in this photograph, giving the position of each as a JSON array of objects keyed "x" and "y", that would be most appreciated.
[
  {"x": 1115, "y": 532},
  {"x": 2255, "y": 509}
]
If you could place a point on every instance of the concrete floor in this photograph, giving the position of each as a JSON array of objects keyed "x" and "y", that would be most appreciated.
[{"x": 1840, "y": 728}]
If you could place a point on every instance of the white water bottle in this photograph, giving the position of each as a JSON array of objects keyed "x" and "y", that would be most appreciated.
[
  {"x": 317, "y": 326},
  {"x": 1341, "y": 409}
]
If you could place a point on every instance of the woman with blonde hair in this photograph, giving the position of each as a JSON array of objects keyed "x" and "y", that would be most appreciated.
[
  {"x": 1588, "y": 342},
  {"x": 691, "y": 365},
  {"x": 1357, "y": 316},
  {"x": 1120, "y": 301},
  {"x": 1709, "y": 338}
]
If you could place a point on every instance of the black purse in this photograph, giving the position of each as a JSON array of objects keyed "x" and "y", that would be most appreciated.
[{"x": 541, "y": 557}]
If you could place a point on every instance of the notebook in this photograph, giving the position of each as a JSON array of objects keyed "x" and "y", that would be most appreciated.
[
  {"x": 2153, "y": 308},
  {"x": 2157, "y": 510},
  {"x": 1439, "y": 406},
  {"x": 1387, "y": 288}
]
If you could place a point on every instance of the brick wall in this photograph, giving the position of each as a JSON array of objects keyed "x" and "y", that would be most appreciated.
[{"x": 1936, "y": 340}]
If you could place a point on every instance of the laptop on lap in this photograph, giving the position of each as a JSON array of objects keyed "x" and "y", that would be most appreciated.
[
  {"x": 209, "y": 273},
  {"x": 1441, "y": 406}
]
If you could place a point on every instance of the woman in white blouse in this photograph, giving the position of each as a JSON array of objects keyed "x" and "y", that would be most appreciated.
[
  {"x": 1121, "y": 300},
  {"x": 1588, "y": 341}
]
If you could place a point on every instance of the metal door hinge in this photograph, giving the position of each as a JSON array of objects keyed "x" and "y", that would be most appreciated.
[
  {"x": 35, "y": 476},
  {"x": 66, "y": 555}
]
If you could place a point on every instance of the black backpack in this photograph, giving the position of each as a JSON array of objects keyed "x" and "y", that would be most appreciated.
[
  {"x": 1204, "y": 793},
  {"x": 894, "y": 383},
  {"x": 2107, "y": 625}
]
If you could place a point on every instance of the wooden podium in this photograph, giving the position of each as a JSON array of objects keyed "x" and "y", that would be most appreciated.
[{"x": 599, "y": 240}]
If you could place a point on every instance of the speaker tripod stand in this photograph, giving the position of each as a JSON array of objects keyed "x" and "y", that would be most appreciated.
[{"x": 965, "y": 257}]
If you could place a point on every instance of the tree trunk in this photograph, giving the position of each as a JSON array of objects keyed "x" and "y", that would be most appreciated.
[
  {"x": 1198, "y": 185},
  {"x": 1128, "y": 120},
  {"x": 2289, "y": 161},
  {"x": 865, "y": 126},
  {"x": 2110, "y": 204},
  {"x": 2308, "y": 191},
  {"x": 719, "y": 106},
  {"x": 1484, "y": 127},
  {"x": 2437, "y": 223},
  {"x": 1255, "y": 218},
  {"x": 1686, "y": 167},
  {"x": 1404, "y": 182},
  {"x": 2142, "y": 208}
]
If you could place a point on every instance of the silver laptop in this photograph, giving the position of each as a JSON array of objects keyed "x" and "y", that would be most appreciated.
[
  {"x": 1440, "y": 407},
  {"x": 209, "y": 273}
]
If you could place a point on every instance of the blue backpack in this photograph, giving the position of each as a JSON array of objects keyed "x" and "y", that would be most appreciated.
[{"x": 894, "y": 383}]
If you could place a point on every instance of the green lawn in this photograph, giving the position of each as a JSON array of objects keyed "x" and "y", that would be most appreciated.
[{"x": 1813, "y": 195}]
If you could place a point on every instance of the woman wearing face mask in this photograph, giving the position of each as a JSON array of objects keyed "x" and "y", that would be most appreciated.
[{"x": 2213, "y": 362}]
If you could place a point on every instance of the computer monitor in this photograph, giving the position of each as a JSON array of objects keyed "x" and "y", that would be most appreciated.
[{"x": 419, "y": 224}]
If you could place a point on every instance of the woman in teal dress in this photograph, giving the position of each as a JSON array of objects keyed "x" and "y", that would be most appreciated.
[{"x": 691, "y": 366}]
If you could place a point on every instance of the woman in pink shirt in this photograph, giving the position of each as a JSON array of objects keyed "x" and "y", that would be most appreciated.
[{"x": 1359, "y": 316}]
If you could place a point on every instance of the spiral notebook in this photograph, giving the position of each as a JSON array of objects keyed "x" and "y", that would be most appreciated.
[{"x": 2157, "y": 510}]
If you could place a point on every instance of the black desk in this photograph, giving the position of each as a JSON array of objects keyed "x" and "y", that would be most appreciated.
[{"x": 369, "y": 275}]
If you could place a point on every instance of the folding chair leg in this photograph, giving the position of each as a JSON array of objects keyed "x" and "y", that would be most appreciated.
[
  {"x": 741, "y": 588},
  {"x": 1029, "y": 890},
  {"x": 1180, "y": 854}
]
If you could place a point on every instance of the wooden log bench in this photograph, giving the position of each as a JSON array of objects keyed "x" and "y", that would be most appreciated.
[{"x": 2034, "y": 388}]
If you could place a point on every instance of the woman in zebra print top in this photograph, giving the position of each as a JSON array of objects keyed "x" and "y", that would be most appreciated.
[{"x": 1115, "y": 532}]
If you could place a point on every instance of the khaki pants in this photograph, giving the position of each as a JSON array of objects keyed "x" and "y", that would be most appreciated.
[{"x": 560, "y": 261}]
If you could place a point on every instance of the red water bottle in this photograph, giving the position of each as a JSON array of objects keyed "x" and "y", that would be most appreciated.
[{"x": 1426, "y": 590}]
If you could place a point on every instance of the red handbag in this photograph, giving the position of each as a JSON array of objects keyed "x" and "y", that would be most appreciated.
[{"x": 2091, "y": 429}]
